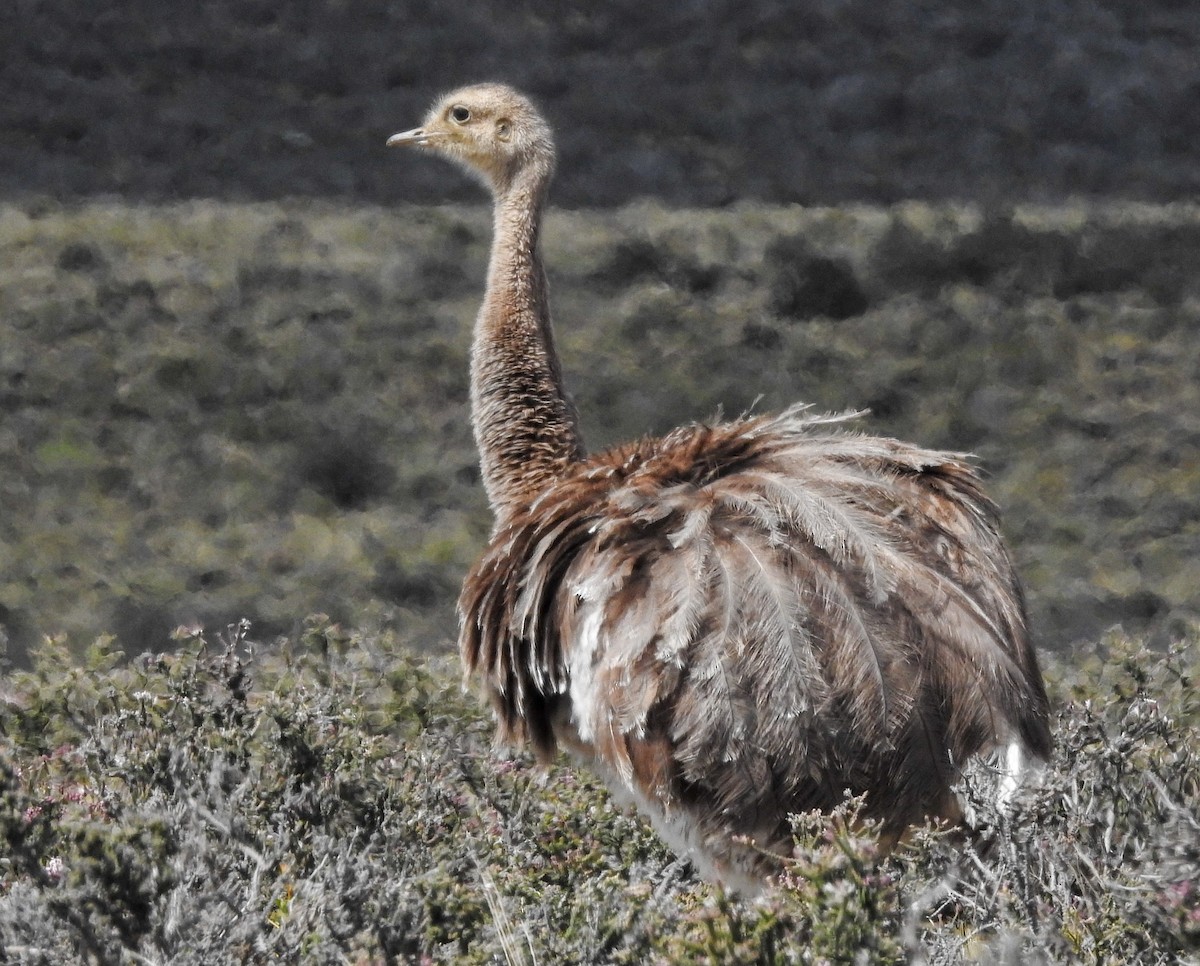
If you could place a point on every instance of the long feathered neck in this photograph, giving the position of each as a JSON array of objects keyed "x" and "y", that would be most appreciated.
[{"x": 525, "y": 427}]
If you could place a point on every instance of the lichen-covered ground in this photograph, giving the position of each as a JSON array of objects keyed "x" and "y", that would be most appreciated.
[{"x": 213, "y": 411}]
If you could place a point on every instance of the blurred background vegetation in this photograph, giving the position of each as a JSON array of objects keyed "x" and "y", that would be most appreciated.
[
  {"x": 217, "y": 410},
  {"x": 695, "y": 103}
]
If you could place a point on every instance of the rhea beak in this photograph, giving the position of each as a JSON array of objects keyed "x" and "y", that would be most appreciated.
[{"x": 417, "y": 135}]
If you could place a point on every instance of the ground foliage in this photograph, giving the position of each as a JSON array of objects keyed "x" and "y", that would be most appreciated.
[
  {"x": 332, "y": 798},
  {"x": 214, "y": 409}
]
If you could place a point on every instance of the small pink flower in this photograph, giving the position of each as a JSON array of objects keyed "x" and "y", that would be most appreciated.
[{"x": 1176, "y": 894}]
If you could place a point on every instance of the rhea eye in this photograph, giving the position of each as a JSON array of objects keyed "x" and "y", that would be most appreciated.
[{"x": 460, "y": 114}]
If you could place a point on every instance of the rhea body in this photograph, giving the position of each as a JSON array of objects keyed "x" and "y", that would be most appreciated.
[{"x": 733, "y": 622}]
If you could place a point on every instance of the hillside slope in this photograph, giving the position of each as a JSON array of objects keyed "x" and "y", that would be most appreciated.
[{"x": 215, "y": 411}]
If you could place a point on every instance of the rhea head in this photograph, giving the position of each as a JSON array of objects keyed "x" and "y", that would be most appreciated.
[{"x": 492, "y": 130}]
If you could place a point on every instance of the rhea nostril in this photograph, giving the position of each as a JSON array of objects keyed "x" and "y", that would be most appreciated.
[{"x": 416, "y": 136}]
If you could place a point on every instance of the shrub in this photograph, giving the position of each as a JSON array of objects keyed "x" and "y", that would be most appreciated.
[
  {"x": 804, "y": 284},
  {"x": 333, "y": 799}
]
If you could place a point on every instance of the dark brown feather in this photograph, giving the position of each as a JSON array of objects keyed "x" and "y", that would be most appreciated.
[{"x": 782, "y": 610}]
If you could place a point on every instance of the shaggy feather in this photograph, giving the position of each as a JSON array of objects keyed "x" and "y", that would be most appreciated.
[{"x": 793, "y": 614}]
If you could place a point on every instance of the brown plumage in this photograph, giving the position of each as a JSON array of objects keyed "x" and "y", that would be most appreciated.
[{"x": 732, "y": 622}]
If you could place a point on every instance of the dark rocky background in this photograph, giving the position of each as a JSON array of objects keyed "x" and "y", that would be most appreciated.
[{"x": 692, "y": 103}]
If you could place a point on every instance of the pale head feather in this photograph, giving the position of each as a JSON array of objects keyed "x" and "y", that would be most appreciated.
[{"x": 490, "y": 129}]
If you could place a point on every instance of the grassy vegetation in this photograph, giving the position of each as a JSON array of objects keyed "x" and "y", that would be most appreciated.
[
  {"x": 210, "y": 411},
  {"x": 334, "y": 800}
]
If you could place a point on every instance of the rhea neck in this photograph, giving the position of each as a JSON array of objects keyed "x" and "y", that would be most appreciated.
[{"x": 525, "y": 427}]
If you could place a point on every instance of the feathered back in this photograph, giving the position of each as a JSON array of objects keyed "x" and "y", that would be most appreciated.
[{"x": 762, "y": 614}]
